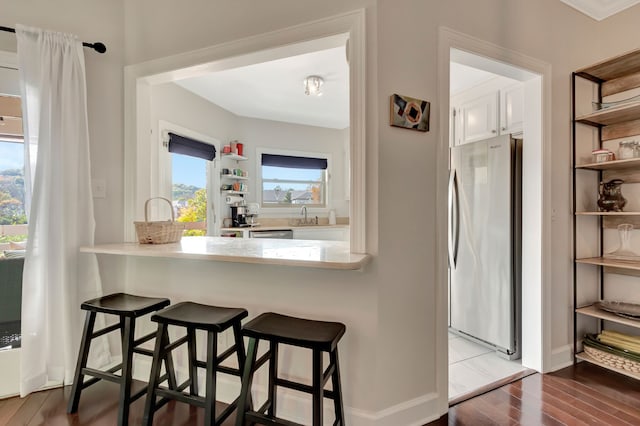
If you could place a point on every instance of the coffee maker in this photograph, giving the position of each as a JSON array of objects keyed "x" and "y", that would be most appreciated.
[{"x": 239, "y": 216}]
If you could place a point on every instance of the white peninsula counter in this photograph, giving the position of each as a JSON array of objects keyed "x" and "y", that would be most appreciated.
[{"x": 305, "y": 253}]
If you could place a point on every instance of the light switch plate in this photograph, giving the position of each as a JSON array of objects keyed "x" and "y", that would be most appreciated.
[{"x": 99, "y": 188}]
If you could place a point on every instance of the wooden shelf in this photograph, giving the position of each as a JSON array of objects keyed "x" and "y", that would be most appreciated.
[
  {"x": 613, "y": 115},
  {"x": 585, "y": 357},
  {"x": 631, "y": 163},
  {"x": 612, "y": 263},
  {"x": 235, "y": 177},
  {"x": 608, "y": 213},
  {"x": 612, "y": 68},
  {"x": 235, "y": 157},
  {"x": 595, "y": 312}
]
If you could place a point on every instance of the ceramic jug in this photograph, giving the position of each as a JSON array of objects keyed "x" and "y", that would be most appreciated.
[{"x": 610, "y": 197}]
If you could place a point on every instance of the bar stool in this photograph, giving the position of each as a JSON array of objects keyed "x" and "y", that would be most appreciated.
[
  {"x": 127, "y": 307},
  {"x": 194, "y": 316},
  {"x": 319, "y": 336}
]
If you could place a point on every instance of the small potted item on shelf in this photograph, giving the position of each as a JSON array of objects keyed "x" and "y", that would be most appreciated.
[
  {"x": 602, "y": 155},
  {"x": 610, "y": 197}
]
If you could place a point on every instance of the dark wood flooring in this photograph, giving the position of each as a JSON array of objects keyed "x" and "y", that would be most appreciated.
[{"x": 584, "y": 394}]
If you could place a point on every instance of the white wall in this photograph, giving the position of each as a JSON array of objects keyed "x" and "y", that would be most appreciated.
[{"x": 388, "y": 354}]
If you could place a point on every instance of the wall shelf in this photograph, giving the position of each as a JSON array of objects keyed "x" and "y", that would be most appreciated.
[
  {"x": 616, "y": 75},
  {"x": 585, "y": 357},
  {"x": 230, "y": 192},
  {"x": 234, "y": 177},
  {"x": 613, "y": 115},
  {"x": 608, "y": 213},
  {"x": 631, "y": 163},
  {"x": 611, "y": 263},
  {"x": 235, "y": 157},
  {"x": 595, "y": 312}
]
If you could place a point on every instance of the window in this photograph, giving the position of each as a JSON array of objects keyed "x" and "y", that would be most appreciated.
[
  {"x": 13, "y": 218},
  {"x": 292, "y": 178},
  {"x": 189, "y": 192},
  {"x": 190, "y": 161}
]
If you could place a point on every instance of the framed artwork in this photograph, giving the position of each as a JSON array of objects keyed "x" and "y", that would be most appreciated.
[{"x": 410, "y": 113}]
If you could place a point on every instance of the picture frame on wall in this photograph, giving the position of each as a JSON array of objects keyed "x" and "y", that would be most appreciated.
[{"x": 409, "y": 113}]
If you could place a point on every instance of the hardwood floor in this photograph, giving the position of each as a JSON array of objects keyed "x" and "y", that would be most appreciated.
[{"x": 584, "y": 394}]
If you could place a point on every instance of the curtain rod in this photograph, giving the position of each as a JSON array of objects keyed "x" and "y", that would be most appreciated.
[{"x": 98, "y": 47}]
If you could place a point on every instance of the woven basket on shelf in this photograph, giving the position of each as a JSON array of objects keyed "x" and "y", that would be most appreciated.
[
  {"x": 612, "y": 360},
  {"x": 158, "y": 232}
]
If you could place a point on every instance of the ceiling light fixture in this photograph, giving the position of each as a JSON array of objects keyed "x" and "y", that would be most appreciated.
[{"x": 312, "y": 85}]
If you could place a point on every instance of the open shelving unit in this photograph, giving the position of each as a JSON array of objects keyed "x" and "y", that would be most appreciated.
[{"x": 612, "y": 76}]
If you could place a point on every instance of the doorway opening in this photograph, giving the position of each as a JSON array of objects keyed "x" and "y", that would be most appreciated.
[{"x": 495, "y": 122}]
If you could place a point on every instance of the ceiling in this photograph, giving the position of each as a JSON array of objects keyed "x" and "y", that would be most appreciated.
[
  {"x": 463, "y": 77},
  {"x": 274, "y": 90},
  {"x": 600, "y": 9}
]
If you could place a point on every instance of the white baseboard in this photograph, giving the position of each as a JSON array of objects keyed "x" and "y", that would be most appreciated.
[
  {"x": 560, "y": 358},
  {"x": 296, "y": 407},
  {"x": 415, "y": 412}
]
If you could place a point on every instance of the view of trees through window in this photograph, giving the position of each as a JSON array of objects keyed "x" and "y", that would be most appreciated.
[
  {"x": 12, "y": 209},
  {"x": 189, "y": 175}
]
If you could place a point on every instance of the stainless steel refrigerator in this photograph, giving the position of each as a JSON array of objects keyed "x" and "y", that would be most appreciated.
[{"x": 485, "y": 242}]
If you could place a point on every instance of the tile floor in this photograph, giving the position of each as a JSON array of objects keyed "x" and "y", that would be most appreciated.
[{"x": 472, "y": 366}]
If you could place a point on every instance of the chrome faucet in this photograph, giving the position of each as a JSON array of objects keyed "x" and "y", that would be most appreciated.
[{"x": 303, "y": 212}]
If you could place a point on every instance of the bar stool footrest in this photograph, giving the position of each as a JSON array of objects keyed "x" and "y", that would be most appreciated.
[
  {"x": 252, "y": 416},
  {"x": 104, "y": 375},
  {"x": 198, "y": 401},
  {"x": 302, "y": 387}
]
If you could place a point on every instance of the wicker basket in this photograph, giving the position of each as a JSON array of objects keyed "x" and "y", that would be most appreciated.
[
  {"x": 612, "y": 360},
  {"x": 159, "y": 232}
]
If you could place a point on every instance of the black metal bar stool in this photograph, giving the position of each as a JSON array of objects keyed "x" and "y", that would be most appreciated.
[
  {"x": 195, "y": 316},
  {"x": 319, "y": 336},
  {"x": 127, "y": 307}
]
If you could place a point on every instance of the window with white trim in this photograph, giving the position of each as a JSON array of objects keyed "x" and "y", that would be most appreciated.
[
  {"x": 292, "y": 179},
  {"x": 189, "y": 173}
]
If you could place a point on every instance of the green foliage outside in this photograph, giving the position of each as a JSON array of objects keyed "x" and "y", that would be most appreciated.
[
  {"x": 12, "y": 238},
  {"x": 195, "y": 211},
  {"x": 12, "y": 197}
]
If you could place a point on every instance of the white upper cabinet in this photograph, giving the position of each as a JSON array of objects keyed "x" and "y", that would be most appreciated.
[
  {"x": 479, "y": 118},
  {"x": 487, "y": 110},
  {"x": 512, "y": 109}
]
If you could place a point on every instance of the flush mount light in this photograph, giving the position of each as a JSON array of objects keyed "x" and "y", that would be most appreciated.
[{"x": 312, "y": 85}]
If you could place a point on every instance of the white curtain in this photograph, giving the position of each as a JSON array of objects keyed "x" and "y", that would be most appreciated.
[{"x": 57, "y": 277}]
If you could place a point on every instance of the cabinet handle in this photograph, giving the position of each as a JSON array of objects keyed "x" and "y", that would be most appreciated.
[
  {"x": 503, "y": 129},
  {"x": 493, "y": 131}
]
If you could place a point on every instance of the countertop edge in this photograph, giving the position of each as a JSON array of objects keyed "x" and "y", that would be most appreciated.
[{"x": 160, "y": 250}]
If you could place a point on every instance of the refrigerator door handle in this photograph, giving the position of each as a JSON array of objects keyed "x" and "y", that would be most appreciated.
[{"x": 454, "y": 219}]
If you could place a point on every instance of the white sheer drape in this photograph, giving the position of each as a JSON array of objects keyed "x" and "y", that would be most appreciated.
[{"x": 57, "y": 278}]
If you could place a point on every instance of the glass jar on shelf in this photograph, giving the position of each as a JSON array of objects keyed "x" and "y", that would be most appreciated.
[{"x": 628, "y": 149}]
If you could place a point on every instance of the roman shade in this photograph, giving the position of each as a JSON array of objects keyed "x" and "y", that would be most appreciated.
[
  {"x": 191, "y": 147},
  {"x": 294, "y": 162}
]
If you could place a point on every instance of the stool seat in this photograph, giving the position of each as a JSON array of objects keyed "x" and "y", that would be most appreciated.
[
  {"x": 127, "y": 307},
  {"x": 205, "y": 317},
  {"x": 276, "y": 329},
  {"x": 312, "y": 334},
  {"x": 195, "y": 316},
  {"x": 123, "y": 304}
]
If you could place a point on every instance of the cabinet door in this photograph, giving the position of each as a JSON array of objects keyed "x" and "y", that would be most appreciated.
[
  {"x": 479, "y": 118},
  {"x": 511, "y": 109},
  {"x": 336, "y": 234}
]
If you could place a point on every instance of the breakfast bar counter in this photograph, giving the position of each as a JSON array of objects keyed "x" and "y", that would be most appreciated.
[{"x": 305, "y": 253}]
